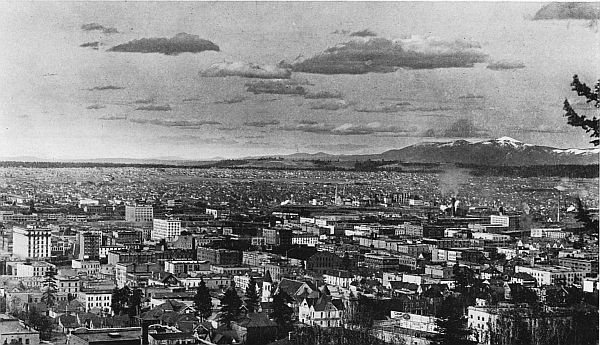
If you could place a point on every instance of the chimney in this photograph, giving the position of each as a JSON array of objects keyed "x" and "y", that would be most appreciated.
[
  {"x": 145, "y": 325},
  {"x": 452, "y": 207}
]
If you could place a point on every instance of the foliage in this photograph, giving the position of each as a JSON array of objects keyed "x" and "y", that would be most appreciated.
[
  {"x": 120, "y": 300},
  {"x": 364, "y": 312},
  {"x": 282, "y": 313},
  {"x": 42, "y": 323},
  {"x": 576, "y": 120},
  {"x": 583, "y": 216},
  {"x": 49, "y": 295},
  {"x": 522, "y": 294},
  {"x": 134, "y": 302},
  {"x": 451, "y": 324},
  {"x": 230, "y": 306},
  {"x": 203, "y": 301},
  {"x": 252, "y": 302}
]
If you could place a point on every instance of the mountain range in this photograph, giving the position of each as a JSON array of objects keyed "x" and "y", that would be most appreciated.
[{"x": 503, "y": 151}]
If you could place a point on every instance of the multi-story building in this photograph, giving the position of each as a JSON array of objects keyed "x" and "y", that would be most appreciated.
[
  {"x": 89, "y": 244},
  {"x": 67, "y": 285},
  {"x": 32, "y": 242},
  {"x": 166, "y": 229},
  {"x": 96, "y": 299},
  {"x": 323, "y": 311},
  {"x": 381, "y": 261},
  {"x": 305, "y": 239},
  {"x": 32, "y": 269},
  {"x": 219, "y": 256},
  {"x": 549, "y": 275},
  {"x": 13, "y": 330},
  {"x": 338, "y": 278},
  {"x": 590, "y": 267},
  {"x": 277, "y": 237},
  {"x": 139, "y": 213},
  {"x": 87, "y": 267},
  {"x": 185, "y": 266}
]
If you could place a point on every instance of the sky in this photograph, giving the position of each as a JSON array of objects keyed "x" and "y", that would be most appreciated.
[{"x": 199, "y": 80}]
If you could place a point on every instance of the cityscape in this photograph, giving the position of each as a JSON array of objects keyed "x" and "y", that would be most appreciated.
[{"x": 286, "y": 173}]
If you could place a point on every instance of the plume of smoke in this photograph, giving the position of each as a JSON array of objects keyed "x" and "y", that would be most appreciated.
[{"x": 451, "y": 180}]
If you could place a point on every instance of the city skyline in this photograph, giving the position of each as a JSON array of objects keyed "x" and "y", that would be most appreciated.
[{"x": 91, "y": 80}]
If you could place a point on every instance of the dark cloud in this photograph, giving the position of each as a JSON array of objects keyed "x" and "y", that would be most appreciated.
[
  {"x": 192, "y": 99},
  {"x": 569, "y": 10},
  {"x": 385, "y": 108},
  {"x": 338, "y": 147},
  {"x": 95, "y": 106},
  {"x": 246, "y": 70},
  {"x": 113, "y": 117},
  {"x": 164, "y": 107},
  {"x": 323, "y": 95},
  {"x": 307, "y": 122},
  {"x": 106, "y": 87},
  {"x": 463, "y": 128},
  {"x": 351, "y": 129},
  {"x": 177, "y": 123},
  {"x": 363, "y": 33},
  {"x": 144, "y": 101},
  {"x": 180, "y": 43},
  {"x": 232, "y": 100},
  {"x": 261, "y": 123},
  {"x": 341, "y": 32},
  {"x": 430, "y": 108},
  {"x": 471, "y": 96},
  {"x": 98, "y": 27},
  {"x": 93, "y": 45},
  {"x": 278, "y": 87},
  {"x": 505, "y": 65},
  {"x": 384, "y": 56},
  {"x": 330, "y": 105}
]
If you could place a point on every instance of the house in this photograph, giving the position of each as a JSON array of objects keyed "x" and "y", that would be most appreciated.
[
  {"x": 67, "y": 323},
  {"x": 255, "y": 328},
  {"x": 322, "y": 311},
  {"x": 12, "y": 329}
]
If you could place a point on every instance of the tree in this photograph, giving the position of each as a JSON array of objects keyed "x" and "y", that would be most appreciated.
[
  {"x": 451, "y": 324},
  {"x": 252, "y": 302},
  {"x": 583, "y": 216},
  {"x": 576, "y": 120},
  {"x": 364, "y": 313},
  {"x": 203, "y": 301},
  {"x": 230, "y": 305},
  {"x": 120, "y": 300},
  {"x": 49, "y": 295},
  {"x": 134, "y": 302},
  {"x": 346, "y": 263},
  {"x": 282, "y": 313}
]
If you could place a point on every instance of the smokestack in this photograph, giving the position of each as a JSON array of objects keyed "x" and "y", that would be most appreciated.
[
  {"x": 453, "y": 207},
  {"x": 145, "y": 325}
]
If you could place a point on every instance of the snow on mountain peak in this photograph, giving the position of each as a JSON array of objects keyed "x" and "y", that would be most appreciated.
[{"x": 508, "y": 140}]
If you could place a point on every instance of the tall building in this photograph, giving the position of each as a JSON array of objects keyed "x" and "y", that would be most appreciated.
[
  {"x": 89, "y": 245},
  {"x": 165, "y": 228},
  {"x": 139, "y": 213},
  {"x": 31, "y": 242}
]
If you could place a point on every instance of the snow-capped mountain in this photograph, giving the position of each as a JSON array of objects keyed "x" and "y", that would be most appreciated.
[{"x": 501, "y": 151}]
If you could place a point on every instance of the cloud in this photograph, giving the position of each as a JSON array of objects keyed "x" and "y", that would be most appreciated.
[
  {"x": 197, "y": 139},
  {"x": 430, "y": 108},
  {"x": 93, "y": 45},
  {"x": 144, "y": 101},
  {"x": 543, "y": 128},
  {"x": 338, "y": 147},
  {"x": 106, "y": 87},
  {"x": 363, "y": 33},
  {"x": 341, "y": 32},
  {"x": 463, "y": 128},
  {"x": 278, "y": 87},
  {"x": 192, "y": 99},
  {"x": 385, "y": 108},
  {"x": 113, "y": 117},
  {"x": 246, "y": 70},
  {"x": 505, "y": 65},
  {"x": 383, "y": 56},
  {"x": 351, "y": 129},
  {"x": 471, "y": 96},
  {"x": 323, "y": 95},
  {"x": 330, "y": 105},
  {"x": 95, "y": 106},
  {"x": 177, "y": 123},
  {"x": 232, "y": 100},
  {"x": 180, "y": 43},
  {"x": 308, "y": 122},
  {"x": 164, "y": 107},
  {"x": 261, "y": 123},
  {"x": 98, "y": 27},
  {"x": 569, "y": 10}
]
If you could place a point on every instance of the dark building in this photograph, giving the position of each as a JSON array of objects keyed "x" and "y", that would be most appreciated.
[{"x": 219, "y": 256}]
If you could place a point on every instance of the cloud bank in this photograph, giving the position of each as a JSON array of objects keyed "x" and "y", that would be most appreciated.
[
  {"x": 363, "y": 33},
  {"x": 569, "y": 10},
  {"x": 164, "y": 107},
  {"x": 350, "y": 129},
  {"x": 381, "y": 55},
  {"x": 95, "y": 106},
  {"x": 246, "y": 70},
  {"x": 323, "y": 95},
  {"x": 232, "y": 100},
  {"x": 261, "y": 124},
  {"x": 385, "y": 108},
  {"x": 113, "y": 118},
  {"x": 180, "y": 43},
  {"x": 106, "y": 87},
  {"x": 99, "y": 27},
  {"x": 505, "y": 65},
  {"x": 278, "y": 87},
  {"x": 463, "y": 128},
  {"x": 93, "y": 45},
  {"x": 177, "y": 123},
  {"x": 330, "y": 105}
]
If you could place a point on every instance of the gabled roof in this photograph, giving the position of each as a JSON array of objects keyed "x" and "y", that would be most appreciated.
[
  {"x": 524, "y": 276},
  {"x": 256, "y": 320}
]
